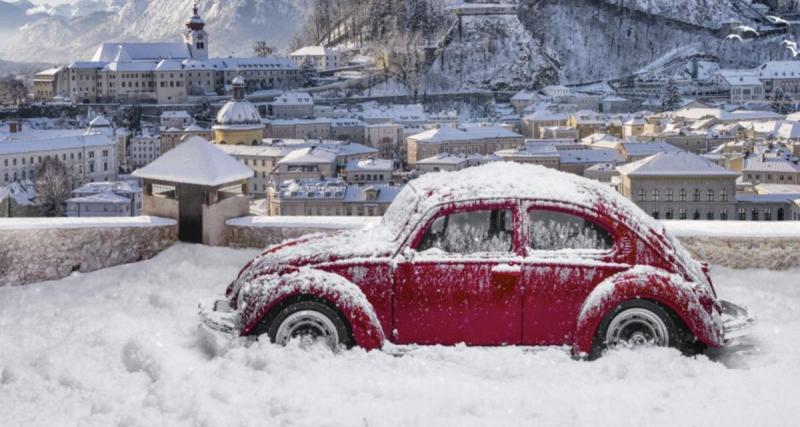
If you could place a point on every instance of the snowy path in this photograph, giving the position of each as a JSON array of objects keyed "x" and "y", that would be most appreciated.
[{"x": 119, "y": 347}]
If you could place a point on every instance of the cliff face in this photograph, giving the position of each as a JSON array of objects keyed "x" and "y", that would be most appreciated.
[{"x": 576, "y": 41}]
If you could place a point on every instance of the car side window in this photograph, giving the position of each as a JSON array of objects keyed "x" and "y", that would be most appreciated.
[
  {"x": 553, "y": 231},
  {"x": 471, "y": 232}
]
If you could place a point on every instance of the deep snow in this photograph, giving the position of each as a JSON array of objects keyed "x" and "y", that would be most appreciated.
[{"x": 120, "y": 347}]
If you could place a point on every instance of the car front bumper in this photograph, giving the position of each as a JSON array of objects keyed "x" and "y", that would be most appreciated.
[
  {"x": 219, "y": 318},
  {"x": 736, "y": 320}
]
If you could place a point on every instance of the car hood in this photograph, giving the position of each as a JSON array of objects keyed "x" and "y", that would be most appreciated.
[{"x": 373, "y": 241}]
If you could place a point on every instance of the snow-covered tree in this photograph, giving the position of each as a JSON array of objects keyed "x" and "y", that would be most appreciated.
[
  {"x": 671, "y": 96},
  {"x": 12, "y": 90}
]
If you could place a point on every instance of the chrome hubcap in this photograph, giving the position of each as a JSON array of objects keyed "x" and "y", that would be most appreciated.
[
  {"x": 637, "y": 327},
  {"x": 309, "y": 327}
]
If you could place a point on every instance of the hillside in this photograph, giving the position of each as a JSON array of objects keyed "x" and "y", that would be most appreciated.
[{"x": 66, "y": 35}]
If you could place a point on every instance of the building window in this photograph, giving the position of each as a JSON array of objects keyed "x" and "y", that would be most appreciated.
[
  {"x": 683, "y": 195},
  {"x": 741, "y": 214},
  {"x": 669, "y": 195},
  {"x": 710, "y": 215},
  {"x": 682, "y": 213},
  {"x": 668, "y": 214},
  {"x": 696, "y": 215},
  {"x": 710, "y": 195},
  {"x": 723, "y": 195},
  {"x": 723, "y": 214},
  {"x": 754, "y": 215},
  {"x": 655, "y": 214},
  {"x": 696, "y": 196},
  {"x": 767, "y": 213},
  {"x": 656, "y": 196},
  {"x": 642, "y": 196}
]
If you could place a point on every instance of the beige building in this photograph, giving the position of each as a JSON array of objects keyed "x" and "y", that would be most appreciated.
[
  {"x": 330, "y": 197},
  {"x": 680, "y": 185},
  {"x": 319, "y": 128},
  {"x": 387, "y": 138},
  {"x": 171, "y": 137},
  {"x": 261, "y": 159},
  {"x": 471, "y": 140}
]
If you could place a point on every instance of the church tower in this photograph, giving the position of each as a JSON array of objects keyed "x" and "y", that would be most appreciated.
[{"x": 195, "y": 36}]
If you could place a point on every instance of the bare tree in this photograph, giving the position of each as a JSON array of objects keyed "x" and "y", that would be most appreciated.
[
  {"x": 53, "y": 183},
  {"x": 12, "y": 90},
  {"x": 262, "y": 49},
  {"x": 405, "y": 62}
]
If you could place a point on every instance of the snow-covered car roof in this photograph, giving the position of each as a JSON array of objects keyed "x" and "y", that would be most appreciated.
[{"x": 504, "y": 180}]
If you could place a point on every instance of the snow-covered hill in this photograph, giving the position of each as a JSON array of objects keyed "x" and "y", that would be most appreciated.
[{"x": 74, "y": 31}]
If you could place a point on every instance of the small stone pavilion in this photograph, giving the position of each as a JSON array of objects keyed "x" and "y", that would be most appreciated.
[{"x": 199, "y": 186}]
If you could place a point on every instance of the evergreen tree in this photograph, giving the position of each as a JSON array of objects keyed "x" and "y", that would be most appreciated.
[
  {"x": 670, "y": 96},
  {"x": 780, "y": 103},
  {"x": 308, "y": 72}
]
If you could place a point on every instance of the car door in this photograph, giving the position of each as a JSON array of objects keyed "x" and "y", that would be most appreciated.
[
  {"x": 568, "y": 251},
  {"x": 458, "y": 280}
]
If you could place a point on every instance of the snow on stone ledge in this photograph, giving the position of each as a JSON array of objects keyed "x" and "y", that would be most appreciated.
[
  {"x": 323, "y": 222},
  {"x": 733, "y": 229},
  {"x": 97, "y": 222}
]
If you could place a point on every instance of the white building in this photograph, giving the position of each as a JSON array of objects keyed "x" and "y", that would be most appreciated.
[
  {"x": 321, "y": 57},
  {"x": 143, "y": 149},
  {"x": 162, "y": 72},
  {"x": 101, "y": 204},
  {"x": 743, "y": 85},
  {"x": 175, "y": 119},
  {"x": 368, "y": 171},
  {"x": 292, "y": 105},
  {"x": 90, "y": 157}
]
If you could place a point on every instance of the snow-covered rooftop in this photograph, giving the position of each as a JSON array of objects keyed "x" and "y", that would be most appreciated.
[
  {"x": 137, "y": 51},
  {"x": 451, "y": 134},
  {"x": 195, "y": 161},
  {"x": 366, "y": 165},
  {"x": 309, "y": 155},
  {"x": 55, "y": 143},
  {"x": 676, "y": 163}
]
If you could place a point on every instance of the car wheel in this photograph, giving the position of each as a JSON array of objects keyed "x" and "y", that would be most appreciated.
[
  {"x": 638, "y": 323},
  {"x": 310, "y": 322}
]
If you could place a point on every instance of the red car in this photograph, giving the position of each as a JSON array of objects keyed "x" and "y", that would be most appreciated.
[{"x": 502, "y": 254}]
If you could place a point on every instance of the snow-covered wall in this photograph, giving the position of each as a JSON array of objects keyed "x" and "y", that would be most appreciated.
[
  {"x": 37, "y": 249},
  {"x": 772, "y": 245}
]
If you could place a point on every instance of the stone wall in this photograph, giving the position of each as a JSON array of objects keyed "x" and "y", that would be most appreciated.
[
  {"x": 260, "y": 232},
  {"x": 38, "y": 249},
  {"x": 771, "y": 245}
]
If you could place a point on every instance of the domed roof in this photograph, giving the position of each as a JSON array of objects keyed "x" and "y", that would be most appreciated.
[{"x": 238, "y": 113}]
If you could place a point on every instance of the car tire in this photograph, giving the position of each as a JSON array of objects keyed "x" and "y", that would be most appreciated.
[
  {"x": 309, "y": 321},
  {"x": 638, "y": 323}
]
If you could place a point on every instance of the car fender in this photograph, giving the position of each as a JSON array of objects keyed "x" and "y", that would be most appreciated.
[
  {"x": 266, "y": 293},
  {"x": 643, "y": 282}
]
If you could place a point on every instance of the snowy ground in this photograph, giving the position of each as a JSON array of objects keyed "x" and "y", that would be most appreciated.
[{"x": 120, "y": 347}]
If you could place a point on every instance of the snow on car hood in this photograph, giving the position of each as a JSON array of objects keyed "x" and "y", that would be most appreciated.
[{"x": 372, "y": 241}]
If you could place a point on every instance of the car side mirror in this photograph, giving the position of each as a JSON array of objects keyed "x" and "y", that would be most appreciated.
[{"x": 409, "y": 253}]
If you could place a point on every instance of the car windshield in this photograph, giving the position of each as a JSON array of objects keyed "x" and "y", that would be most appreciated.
[{"x": 401, "y": 210}]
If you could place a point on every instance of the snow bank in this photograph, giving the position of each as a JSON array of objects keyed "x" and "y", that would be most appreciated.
[{"x": 120, "y": 347}]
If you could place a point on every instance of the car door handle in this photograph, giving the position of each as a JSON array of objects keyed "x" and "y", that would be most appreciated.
[{"x": 507, "y": 270}]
